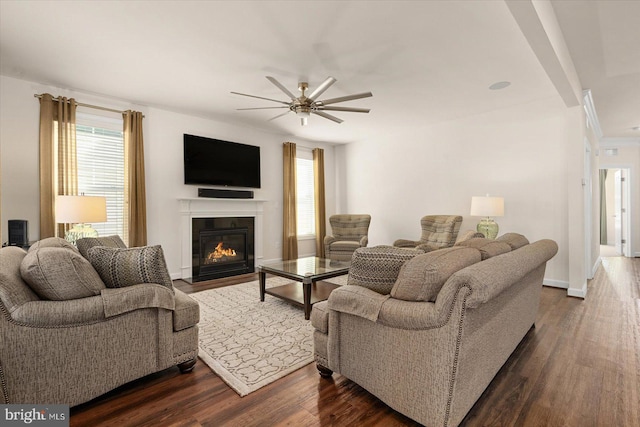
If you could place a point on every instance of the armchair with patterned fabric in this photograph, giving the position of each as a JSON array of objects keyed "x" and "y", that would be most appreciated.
[
  {"x": 350, "y": 232},
  {"x": 438, "y": 231}
]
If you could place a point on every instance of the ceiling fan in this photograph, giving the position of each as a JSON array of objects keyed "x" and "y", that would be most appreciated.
[{"x": 304, "y": 105}]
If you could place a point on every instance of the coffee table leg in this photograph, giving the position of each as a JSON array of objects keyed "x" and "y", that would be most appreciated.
[
  {"x": 306, "y": 293},
  {"x": 263, "y": 284}
]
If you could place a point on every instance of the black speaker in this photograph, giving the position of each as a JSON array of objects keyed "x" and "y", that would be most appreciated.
[
  {"x": 225, "y": 194},
  {"x": 18, "y": 232}
]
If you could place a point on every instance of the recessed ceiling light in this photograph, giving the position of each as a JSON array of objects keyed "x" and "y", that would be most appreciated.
[{"x": 499, "y": 85}]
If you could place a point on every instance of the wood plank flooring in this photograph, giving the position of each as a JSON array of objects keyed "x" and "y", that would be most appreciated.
[{"x": 579, "y": 367}]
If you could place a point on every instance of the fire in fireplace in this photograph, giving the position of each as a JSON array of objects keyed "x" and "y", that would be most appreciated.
[
  {"x": 220, "y": 254},
  {"x": 222, "y": 247}
]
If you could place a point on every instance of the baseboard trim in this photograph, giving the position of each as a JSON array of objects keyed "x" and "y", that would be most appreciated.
[
  {"x": 595, "y": 267},
  {"x": 578, "y": 293},
  {"x": 556, "y": 283}
]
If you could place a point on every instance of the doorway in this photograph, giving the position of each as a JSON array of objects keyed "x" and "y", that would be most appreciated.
[{"x": 614, "y": 212}]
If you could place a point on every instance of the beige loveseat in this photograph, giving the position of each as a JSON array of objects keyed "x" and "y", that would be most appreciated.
[
  {"x": 73, "y": 339},
  {"x": 427, "y": 332}
]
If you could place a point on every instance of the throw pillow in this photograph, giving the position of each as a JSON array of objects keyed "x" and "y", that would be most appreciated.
[
  {"x": 422, "y": 277},
  {"x": 52, "y": 242},
  {"x": 487, "y": 247},
  {"x": 57, "y": 273},
  {"x": 377, "y": 268},
  {"x": 120, "y": 268},
  {"x": 514, "y": 240},
  {"x": 87, "y": 243}
]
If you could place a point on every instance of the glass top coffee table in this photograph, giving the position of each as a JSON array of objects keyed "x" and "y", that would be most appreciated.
[{"x": 309, "y": 272}]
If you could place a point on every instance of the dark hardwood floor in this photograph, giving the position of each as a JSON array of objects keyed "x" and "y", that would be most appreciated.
[{"x": 580, "y": 366}]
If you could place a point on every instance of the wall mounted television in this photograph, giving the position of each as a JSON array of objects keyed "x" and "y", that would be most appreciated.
[{"x": 209, "y": 161}]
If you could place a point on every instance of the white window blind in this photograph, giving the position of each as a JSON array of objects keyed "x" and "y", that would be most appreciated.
[
  {"x": 100, "y": 152},
  {"x": 305, "y": 200}
]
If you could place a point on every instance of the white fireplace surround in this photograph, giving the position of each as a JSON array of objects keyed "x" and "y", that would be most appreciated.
[{"x": 216, "y": 208}]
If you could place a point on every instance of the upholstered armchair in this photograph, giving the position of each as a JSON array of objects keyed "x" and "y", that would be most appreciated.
[
  {"x": 350, "y": 232},
  {"x": 438, "y": 231}
]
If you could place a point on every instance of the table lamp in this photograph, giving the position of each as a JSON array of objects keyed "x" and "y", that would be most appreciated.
[
  {"x": 487, "y": 207},
  {"x": 81, "y": 211}
]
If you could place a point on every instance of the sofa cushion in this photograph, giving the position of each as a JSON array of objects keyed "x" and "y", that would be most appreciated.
[
  {"x": 377, "y": 268},
  {"x": 487, "y": 247},
  {"x": 345, "y": 245},
  {"x": 186, "y": 312},
  {"x": 58, "y": 273},
  {"x": 514, "y": 240},
  {"x": 422, "y": 277},
  {"x": 52, "y": 242},
  {"x": 14, "y": 291},
  {"x": 87, "y": 243},
  {"x": 120, "y": 268}
]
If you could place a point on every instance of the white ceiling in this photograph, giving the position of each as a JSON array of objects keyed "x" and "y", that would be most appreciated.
[{"x": 425, "y": 62}]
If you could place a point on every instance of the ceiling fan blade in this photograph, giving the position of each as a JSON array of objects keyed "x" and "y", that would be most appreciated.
[
  {"x": 327, "y": 116},
  {"x": 279, "y": 115},
  {"x": 349, "y": 109},
  {"x": 346, "y": 98},
  {"x": 260, "y": 97},
  {"x": 260, "y": 108},
  {"x": 282, "y": 88},
  {"x": 320, "y": 89}
]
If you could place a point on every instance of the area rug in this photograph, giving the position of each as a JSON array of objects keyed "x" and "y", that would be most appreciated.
[{"x": 249, "y": 343}]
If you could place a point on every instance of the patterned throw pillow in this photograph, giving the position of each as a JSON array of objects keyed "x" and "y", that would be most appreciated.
[
  {"x": 87, "y": 243},
  {"x": 377, "y": 268},
  {"x": 120, "y": 268},
  {"x": 422, "y": 278},
  {"x": 57, "y": 273}
]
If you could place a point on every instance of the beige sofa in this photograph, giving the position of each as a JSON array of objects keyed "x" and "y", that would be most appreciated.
[
  {"x": 68, "y": 349},
  {"x": 428, "y": 335}
]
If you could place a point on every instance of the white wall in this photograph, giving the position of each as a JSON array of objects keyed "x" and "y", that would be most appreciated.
[
  {"x": 519, "y": 153},
  {"x": 163, "y": 130}
]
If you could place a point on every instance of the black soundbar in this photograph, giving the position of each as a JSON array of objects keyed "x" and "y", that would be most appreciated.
[{"x": 225, "y": 194}]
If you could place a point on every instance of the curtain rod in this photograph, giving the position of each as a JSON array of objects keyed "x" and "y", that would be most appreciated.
[{"x": 81, "y": 104}]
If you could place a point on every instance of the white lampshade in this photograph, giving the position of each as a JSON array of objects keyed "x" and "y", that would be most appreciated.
[
  {"x": 487, "y": 206},
  {"x": 81, "y": 209}
]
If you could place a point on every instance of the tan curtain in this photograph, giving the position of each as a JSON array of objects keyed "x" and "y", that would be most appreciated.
[
  {"x": 289, "y": 218},
  {"x": 58, "y": 160},
  {"x": 321, "y": 221},
  {"x": 135, "y": 214}
]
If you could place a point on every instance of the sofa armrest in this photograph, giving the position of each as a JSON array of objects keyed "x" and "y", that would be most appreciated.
[
  {"x": 53, "y": 314},
  {"x": 428, "y": 247},
  {"x": 145, "y": 295},
  {"x": 364, "y": 241},
  {"x": 329, "y": 240}
]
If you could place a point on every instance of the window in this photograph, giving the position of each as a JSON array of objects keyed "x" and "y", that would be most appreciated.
[
  {"x": 305, "y": 199},
  {"x": 100, "y": 153}
]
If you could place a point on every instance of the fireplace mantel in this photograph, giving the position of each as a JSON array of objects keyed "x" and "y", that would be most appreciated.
[{"x": 214, "y": 208}]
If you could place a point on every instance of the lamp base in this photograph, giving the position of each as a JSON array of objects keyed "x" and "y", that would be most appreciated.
[
  {"x": 79, "y": 231},
  {"x": 488, "y": 227}
]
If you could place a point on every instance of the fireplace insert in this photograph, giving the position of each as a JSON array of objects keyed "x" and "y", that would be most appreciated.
[{"x": 222, "y": 247}]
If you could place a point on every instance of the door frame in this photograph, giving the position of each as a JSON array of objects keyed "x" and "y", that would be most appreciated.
[{"x": 626, "y": 204}]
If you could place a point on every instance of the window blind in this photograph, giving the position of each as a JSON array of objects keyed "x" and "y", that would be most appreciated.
[
  {"x": 100, "y": 153},
  {"x": 305, "y": 200}
]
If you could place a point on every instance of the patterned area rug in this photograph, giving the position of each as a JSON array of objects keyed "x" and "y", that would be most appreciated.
[{"x": 249, "y": 343}]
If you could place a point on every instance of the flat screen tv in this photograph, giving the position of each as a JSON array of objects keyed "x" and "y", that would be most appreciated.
[{"x": 210, "y": 161}]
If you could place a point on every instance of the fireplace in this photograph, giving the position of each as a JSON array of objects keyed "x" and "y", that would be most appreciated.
[{"x": 222, "y": 247}]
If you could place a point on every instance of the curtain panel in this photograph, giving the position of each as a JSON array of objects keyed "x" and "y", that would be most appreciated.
[
  {"x": 289, "y": 214},
  {"x": 135, "y": 214},
  {"x": 321, "y": 221},
  {"x": 58, "y": 161}
]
